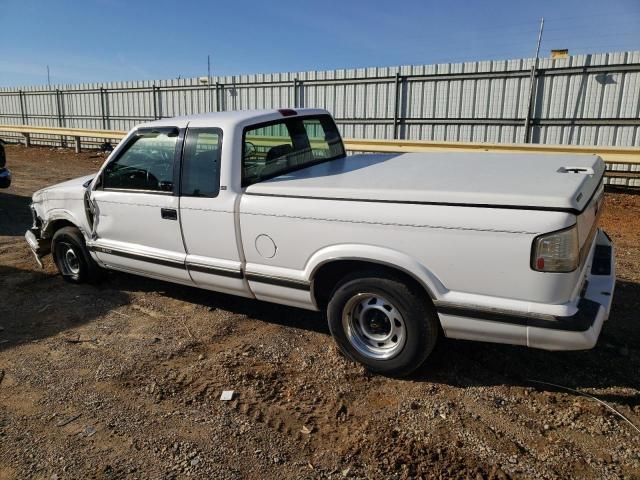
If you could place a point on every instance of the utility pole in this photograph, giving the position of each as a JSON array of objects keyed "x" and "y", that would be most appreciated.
[
  {"x": 48, "y": 77},
  {"x": 532, "y": 82}
]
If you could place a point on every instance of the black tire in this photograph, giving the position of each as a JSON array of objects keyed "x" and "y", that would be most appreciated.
[
  {"x": 412, "y": 313},
  {"x": 72, "y": 258}
]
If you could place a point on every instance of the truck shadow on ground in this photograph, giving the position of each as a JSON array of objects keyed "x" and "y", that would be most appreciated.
[
  {"x": 37, "y": 305},
  {"x": 613, "y": 363},
  {"x": 254, "y": 309},
  {"x": 15, "y": 214}
]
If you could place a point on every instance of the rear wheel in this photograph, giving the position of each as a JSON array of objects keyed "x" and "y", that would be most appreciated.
[
  {"x": 383, "y": 323},
  {"x": 72, "y": 258}
]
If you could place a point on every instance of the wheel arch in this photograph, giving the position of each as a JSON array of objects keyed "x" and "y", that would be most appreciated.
[
  {"x": 57, "y": 220},
  {"x": 326, "y": 268}
]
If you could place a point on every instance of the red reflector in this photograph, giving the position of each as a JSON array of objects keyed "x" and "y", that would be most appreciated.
[
  {"x": 540, "y": 264},
  {"x": 287, "y": 112}
]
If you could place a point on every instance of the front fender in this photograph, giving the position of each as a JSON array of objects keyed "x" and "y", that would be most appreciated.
[
  {"x": 58, "y": 214},
  {"x": 380, "y": 255}
]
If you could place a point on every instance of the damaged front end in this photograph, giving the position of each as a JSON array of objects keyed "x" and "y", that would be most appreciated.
[{"x": 38, "y": 245}]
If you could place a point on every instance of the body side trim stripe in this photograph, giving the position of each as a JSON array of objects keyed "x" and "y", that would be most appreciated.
[
  {"x": 278, "y": 281},
  {"x": 579, "y": 322},
  {"x": 139, "y": 257},
  {"x": 225, "y": 272}
]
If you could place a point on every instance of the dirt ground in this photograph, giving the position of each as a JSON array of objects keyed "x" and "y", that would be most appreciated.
[{"x": 123, "y": 379}]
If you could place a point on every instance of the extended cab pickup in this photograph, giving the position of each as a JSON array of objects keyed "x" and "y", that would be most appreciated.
[{"x": 396, "y": 248}]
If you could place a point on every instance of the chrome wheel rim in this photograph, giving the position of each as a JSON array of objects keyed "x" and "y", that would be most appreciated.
[
  {"x": 69, "y": 261},
  {"x": 374, "y": 326}
]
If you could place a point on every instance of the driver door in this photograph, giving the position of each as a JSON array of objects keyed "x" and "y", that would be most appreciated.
[{"x": 136, "y": 206}]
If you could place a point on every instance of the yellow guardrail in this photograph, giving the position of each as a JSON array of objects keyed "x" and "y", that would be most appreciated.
[
  {"x": 611, "y": 155},
  {"x": 624, "y": 155},
  {"x": 77, "y": 133},
  {"x": 67, "y": 132}
]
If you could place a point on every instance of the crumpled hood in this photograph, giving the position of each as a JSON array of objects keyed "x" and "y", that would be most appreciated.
[{"x": 73, "y": 188}]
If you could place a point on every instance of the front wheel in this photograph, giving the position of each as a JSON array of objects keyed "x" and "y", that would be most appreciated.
[
  {"x": 72, "y": 258},
  {"x": 383, "y": 323}
]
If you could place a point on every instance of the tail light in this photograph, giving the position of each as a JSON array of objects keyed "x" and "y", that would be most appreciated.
[{"x": 556, "y": 251}]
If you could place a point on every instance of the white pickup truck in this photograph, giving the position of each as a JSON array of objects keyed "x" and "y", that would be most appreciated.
[{"x": 398, "y": 248}]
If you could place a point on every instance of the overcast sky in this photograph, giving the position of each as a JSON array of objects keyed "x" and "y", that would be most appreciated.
[{"x": 110, "y": 40}]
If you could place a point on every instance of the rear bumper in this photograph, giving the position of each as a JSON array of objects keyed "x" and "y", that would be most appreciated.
[
  {"x": 579, "y": 331},
  {"x": 5, "y": 178}
]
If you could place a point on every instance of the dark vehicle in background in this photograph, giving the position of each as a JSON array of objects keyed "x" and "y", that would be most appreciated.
[{"x": 5, "y": 174}]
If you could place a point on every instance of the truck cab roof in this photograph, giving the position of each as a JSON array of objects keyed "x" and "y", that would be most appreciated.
[{"x": 231, "y": 119}]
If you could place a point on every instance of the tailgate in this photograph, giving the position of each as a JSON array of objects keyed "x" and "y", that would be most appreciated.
[{"x": 587, "y": 221}]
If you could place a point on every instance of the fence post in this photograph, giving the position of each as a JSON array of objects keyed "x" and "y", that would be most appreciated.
[
  {"x": 155, "y": 102},
  {"x": 211, "y": 90},
  {"x": 530, "y": 103},
  {"x": 23, "y": 113},
  {"x": 103, "y": 109},
  {"x": 399, "y": 82},
  {"x": 301, "y": 98},
  {"x": 159, "y": 95},
  {"x": 295, "y": 93},
  {"x": 59, "y": 108},
  {"x": 220, "y": 96}
]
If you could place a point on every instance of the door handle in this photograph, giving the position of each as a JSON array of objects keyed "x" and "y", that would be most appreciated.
[{"x": 169, "y": 213}]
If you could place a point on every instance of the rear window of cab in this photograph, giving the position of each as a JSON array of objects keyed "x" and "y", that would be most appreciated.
[{"x": 282, "y": 146}]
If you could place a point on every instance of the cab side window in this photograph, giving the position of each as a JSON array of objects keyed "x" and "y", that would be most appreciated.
[
  {"x": 201, "y": 163},
  {"x": 147, "y": 164}
]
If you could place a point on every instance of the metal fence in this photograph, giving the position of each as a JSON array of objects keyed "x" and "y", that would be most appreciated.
[{"x": 579, "y": 100}]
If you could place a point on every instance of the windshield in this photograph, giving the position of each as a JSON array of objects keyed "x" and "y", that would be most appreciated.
[{"x": 280, "y": 147}]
